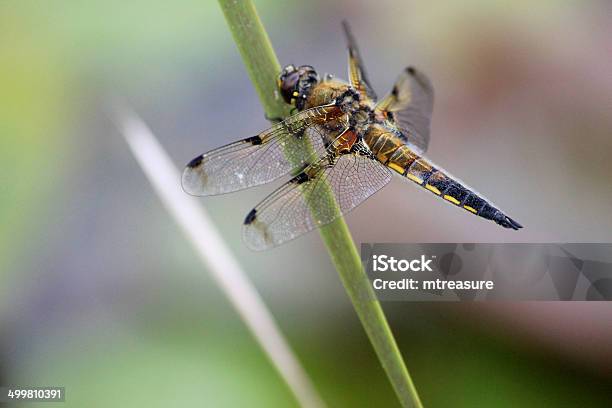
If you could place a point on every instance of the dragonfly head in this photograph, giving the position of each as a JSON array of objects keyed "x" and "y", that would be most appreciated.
[{"x": 295, "y": 84}]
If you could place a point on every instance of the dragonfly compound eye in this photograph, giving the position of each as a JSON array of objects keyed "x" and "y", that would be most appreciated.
[
  {"x": 295, "y": 84},
  {"x": 289, "y": 85}
]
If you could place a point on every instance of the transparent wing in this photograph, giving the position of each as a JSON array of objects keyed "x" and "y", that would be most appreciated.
[
  {"x": 411, "y": 104},
  {"x": 357, "y": 73},
  {"x": 261, "y": 158},
  {"x": 304, "y": 202}
]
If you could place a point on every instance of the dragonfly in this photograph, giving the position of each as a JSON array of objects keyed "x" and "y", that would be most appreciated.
[{"x": 341, "y": 142}]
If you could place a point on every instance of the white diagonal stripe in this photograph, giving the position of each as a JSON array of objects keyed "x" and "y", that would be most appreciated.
[{"x": 209, "y": 245}]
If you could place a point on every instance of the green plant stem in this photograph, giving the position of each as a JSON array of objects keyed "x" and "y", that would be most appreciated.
[
  {"x": 257, "y": 53},
  {"x": 263, "y": 68}
]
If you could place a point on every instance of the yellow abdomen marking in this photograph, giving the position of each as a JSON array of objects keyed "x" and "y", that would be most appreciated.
[
  {"x": 396, "y": 167},
  {"x": 414, "y": 178},
  {"x": 472, "y": 209},
  {"x": 451, "y": 199},
  {"x": 433, "y": 189}
]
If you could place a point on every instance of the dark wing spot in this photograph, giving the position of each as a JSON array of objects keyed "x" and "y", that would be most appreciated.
[
  {"x": 299, "y": 135},
  {"x": 250, "y": 217},
  {"x": 254, "y": 140},
  {"x": 411, "y": 70},
  {"x": 195, "y": 162},
  {"x": 300, "y": 178},
  {"x": 394, "y": 91}
]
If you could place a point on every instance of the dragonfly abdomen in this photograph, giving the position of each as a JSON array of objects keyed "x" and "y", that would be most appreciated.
[
  {"x": 418, "y": 169},
  {"x": 389, "y": 149}
]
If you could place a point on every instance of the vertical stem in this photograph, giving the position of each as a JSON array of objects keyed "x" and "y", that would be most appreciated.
[
  {"x": 263, "y": 68},
  {"x": 347, "y": 261},
  {"x": 257, "y": 53}
]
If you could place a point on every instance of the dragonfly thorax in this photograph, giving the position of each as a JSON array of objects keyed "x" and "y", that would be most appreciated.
[
  {"x": 348, "y": 101},
  {"x": 359, "y": 113}
]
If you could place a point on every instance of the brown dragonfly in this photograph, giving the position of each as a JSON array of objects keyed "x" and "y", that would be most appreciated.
[{"x": 341, "y": 140}]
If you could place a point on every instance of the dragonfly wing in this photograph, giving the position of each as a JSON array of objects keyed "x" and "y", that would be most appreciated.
[
  {"x": 357, "y": 73},
  {"x": 262, "y": 158},
  {"x": 410, "y": 103},
  {"x": 304, "y": 203}
]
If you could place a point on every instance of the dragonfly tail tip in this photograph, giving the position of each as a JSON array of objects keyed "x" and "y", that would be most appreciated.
[{"x": 508, "y": 222}]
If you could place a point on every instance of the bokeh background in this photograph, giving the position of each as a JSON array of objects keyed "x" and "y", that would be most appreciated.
[{"x": 101, "y": 293}]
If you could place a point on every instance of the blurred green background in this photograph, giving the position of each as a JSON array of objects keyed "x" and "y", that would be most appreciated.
[{"x": 102, "y": 294}]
